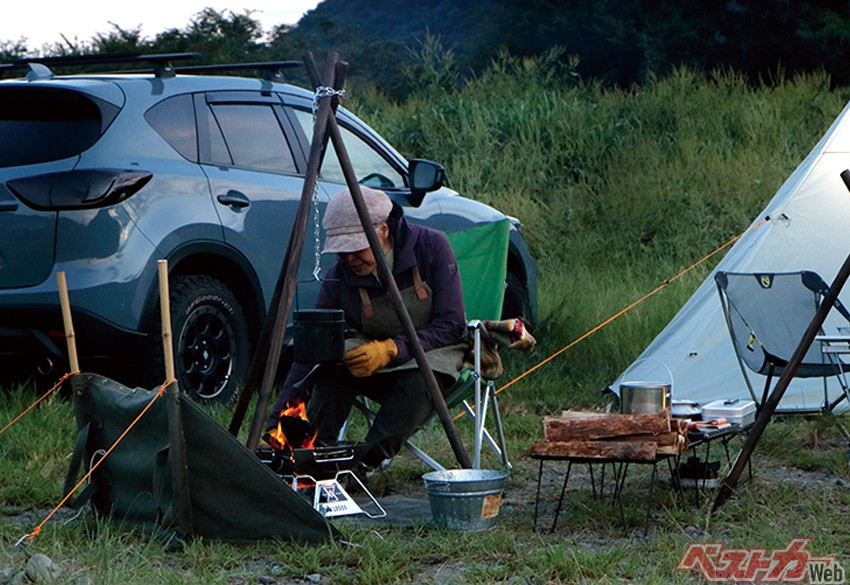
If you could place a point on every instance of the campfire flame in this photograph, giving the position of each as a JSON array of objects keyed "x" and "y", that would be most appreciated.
[{"x": 276, "y": 437}]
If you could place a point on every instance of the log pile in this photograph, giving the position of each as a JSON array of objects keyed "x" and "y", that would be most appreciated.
[{"x": 602, "y": 435}]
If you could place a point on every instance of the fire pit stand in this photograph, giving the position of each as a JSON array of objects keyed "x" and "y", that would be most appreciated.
[
  {"x": 321, "y": 474},
  {"x": 331, "y": 499}
]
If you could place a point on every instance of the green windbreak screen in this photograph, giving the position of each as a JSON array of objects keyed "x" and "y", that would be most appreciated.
[
  {"x": 482, "y": 256},
  {"x": 232, "y": 496}
]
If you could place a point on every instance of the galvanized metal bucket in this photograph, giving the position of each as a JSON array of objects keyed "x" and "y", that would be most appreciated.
[{"x": 465, "y": 499}]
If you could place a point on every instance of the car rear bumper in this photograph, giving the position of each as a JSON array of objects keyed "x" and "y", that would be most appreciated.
[{"x": 35, "y": 339}]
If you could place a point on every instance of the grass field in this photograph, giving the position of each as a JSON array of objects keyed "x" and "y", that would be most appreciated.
[
  {"x": 799, "y": 489},
  {"x": 617, "y": 190}
]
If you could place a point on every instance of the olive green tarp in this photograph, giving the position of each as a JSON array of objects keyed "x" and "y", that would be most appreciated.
[{"x": 179, "y": 471}]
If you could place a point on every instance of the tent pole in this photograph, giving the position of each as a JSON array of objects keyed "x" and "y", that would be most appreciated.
[
  {"x": 769, "y": 406},
  {"x": 385, "y": 273}
]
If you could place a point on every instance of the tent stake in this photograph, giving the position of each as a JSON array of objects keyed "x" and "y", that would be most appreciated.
[
  {"x": 165, "y": 314},
  {"x": 770, "y": 405}
]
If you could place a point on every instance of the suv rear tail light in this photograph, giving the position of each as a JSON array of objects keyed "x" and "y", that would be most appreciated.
[{"x": 78, "y": 189}]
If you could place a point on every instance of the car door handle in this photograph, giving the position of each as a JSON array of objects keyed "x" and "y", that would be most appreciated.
[
  {"x": 234, "y": 199},
  {"x": 8, "y": 206}
]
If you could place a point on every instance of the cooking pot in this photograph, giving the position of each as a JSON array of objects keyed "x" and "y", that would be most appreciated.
[
  {"x": 644, "y": 397},
  {"x": 319, "y": 336}
]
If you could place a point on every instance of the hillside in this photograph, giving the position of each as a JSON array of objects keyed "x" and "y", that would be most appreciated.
[
  {"x": 459, "y": 25},
  {"x": 622, "y": 42}
]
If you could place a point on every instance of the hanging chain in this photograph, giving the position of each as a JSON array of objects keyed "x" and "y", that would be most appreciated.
[
  {"x": 317, "y": 263},
  {"x": 321, "y": 92}
]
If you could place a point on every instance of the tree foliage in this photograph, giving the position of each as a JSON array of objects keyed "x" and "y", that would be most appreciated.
[{"x": 618, "y": 42}]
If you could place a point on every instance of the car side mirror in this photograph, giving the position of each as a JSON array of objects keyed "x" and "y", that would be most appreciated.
[{"x": 425, "y": 176}]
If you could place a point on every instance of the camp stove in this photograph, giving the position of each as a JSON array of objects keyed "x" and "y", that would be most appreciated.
[{"x": 321, "y": 475}]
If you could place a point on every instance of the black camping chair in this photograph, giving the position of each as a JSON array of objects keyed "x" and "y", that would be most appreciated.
[{"x": 767, "y": 315}]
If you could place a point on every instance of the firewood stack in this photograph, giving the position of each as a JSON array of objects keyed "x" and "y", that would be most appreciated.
[{"x": 602, "y": 435}]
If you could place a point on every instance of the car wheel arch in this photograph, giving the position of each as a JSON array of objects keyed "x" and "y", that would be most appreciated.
[{"x": 224, "y": 264}]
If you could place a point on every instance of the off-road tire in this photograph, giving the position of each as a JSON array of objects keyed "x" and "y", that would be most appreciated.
[{"x": 211, "y": 339}]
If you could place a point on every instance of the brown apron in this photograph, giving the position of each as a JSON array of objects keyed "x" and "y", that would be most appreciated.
[{"x": 380, "y": 321}]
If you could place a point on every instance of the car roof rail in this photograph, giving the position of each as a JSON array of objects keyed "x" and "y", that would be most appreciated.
[
  {"x": 40, "y": 67},
  {"x": 162, "y": 65},
  {"x": 269, "y": 70}
]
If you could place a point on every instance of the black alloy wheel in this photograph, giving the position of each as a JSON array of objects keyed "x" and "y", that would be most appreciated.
[{"x": 210, "y": 337}]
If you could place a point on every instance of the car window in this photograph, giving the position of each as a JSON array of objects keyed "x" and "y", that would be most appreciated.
[
  {"x": 254, "y": 137},
  {"x": 40, "y": 124},
  {"x": 216, "y": 149},
  {"x": 370, "y": 166},
  {"x": 174, "y": 120}
]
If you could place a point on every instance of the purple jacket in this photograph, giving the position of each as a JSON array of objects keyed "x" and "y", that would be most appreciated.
[{"x": 413, "y": 245}]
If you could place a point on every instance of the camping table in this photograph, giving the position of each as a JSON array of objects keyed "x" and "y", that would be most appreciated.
[
  {"x": 702, "y": 440},
  {"x": 621, "y": 466}
]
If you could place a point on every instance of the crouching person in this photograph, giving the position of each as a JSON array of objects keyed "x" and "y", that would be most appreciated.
[{"x": 379, "y": 361}]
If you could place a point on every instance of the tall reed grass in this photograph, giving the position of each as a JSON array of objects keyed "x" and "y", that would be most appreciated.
[{"x": 617, "y": 189}]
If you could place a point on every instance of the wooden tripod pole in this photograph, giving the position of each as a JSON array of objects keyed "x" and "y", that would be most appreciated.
[
  {"x": 385, "y": 273},
  {"x": 290, "y": 273},
  {"x": 769, "y": 406},
  {"x": 260, "y": 361},
  {"x": 271, "y": 332}
]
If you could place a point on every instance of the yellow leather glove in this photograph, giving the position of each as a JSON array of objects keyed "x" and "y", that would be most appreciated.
[{"x": 368, "y": 358}]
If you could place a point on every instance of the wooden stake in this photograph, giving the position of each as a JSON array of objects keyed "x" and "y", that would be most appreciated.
[
  {"x": 73, "y": 361},
  {"x": 165, "y": 313},
  {"x": 177, "y": 443}
]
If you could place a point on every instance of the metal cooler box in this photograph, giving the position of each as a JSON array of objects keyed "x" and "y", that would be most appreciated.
[{"x": 742, "y": 412}]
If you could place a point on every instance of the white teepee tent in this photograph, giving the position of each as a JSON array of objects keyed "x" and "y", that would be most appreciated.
[{"x": 807, "y": 228}]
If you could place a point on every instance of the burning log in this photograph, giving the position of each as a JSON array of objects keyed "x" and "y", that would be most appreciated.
[{"x": 293, "y": 430}]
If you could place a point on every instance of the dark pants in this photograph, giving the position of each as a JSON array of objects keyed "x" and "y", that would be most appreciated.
[{"x": 405, "y": 406}]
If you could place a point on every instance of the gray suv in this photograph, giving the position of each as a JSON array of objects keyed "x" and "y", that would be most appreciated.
[{"x": 102, "y": 175}]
